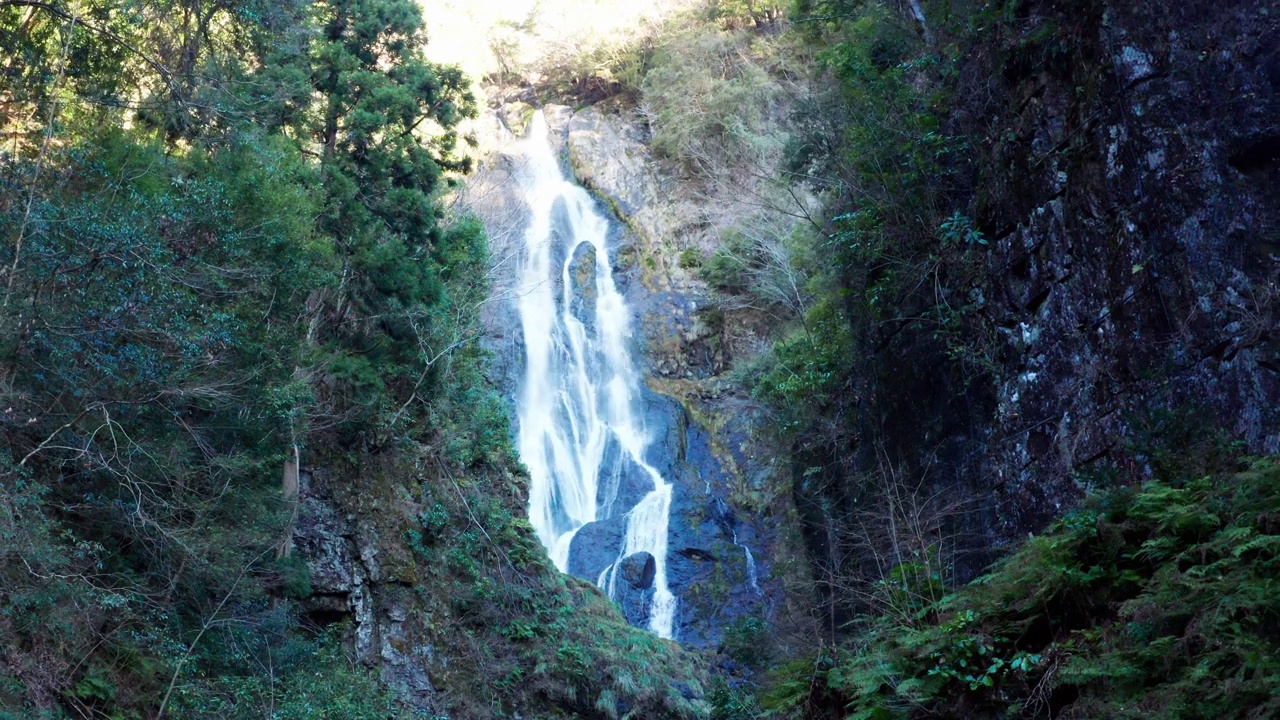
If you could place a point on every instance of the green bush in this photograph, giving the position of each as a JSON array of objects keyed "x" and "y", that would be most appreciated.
[
  {"x": 1161, "y": 600},
  {"x": 310, "y": 680},
  {"x": 708, "y": 96},
  {"x": 806, "y": 372},
  {"x": 690, "y": 259}
]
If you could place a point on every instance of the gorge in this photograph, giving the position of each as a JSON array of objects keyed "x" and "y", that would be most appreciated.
[{"x": 375, "y": 359}]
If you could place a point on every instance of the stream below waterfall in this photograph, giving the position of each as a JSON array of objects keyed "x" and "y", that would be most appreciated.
[{"x": 581, "y": 431}]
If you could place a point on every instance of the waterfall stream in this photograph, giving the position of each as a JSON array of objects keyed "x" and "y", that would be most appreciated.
[{"x": 580, "y": 426}]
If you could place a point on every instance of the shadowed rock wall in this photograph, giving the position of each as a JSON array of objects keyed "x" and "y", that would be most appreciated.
[{"x": 1131, "y": 181}]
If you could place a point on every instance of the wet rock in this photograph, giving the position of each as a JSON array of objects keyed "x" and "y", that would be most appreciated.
[
  {"x": 623, "y": 483},
  {"x": 636, "y": 604},
  {"x": 608, "y": 159},
  {"x": 1134, "y": 64},
  {"x": 583, "y": 291},
  {"x": 558, "y": 118},
  {"x": 595, "y": 547},
  {"x": 638, "y": 569},
  {"x": 516, "y": 116}
]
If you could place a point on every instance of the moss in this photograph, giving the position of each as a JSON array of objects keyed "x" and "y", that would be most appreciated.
[{"x": 517, "y": 116}]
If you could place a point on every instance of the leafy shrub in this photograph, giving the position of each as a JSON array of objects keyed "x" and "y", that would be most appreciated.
[
  {"x": 805, "y": 372},
  {"x": 310, "y": 680},
  {"x": 690, "y": 259},
  {"x": 708, "y": 97},
  {"x": 1161, "y": 600}
]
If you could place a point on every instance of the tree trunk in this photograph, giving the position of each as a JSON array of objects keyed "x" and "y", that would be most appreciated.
[{"x": 289, "y": 487}]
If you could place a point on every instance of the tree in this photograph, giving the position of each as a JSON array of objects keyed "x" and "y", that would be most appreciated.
[
  {"x": 221, "y": 242},
  {"x": 387, "y": 132}
]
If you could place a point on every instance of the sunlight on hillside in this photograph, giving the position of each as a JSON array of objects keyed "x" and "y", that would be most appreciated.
[{"x": 524, "y": 37}]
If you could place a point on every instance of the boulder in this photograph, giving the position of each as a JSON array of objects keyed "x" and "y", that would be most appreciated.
[
  {"x": 595, "y": 547},
  {"x": 583, "y": 291},
  {"x": 638, "y": 570}
]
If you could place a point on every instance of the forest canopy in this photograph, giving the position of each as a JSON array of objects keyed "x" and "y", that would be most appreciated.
[{"x": 224, "y": 245}]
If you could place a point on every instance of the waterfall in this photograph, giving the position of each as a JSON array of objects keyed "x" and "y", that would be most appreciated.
[
  {"x": 578, "y": 410},
  {"x": 753, "y": 576}
]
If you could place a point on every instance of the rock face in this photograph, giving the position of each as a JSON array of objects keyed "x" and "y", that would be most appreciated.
[
  {"x": 582, "y": 272},
  {"x": 1128, "y": 193},
  {"x": 608, "y": 155},
  {"x": 595, "y": 547},
  {"x": 1136, "y": 258},
  {"x": 635, "y": 594},
  {"x": 638, "y": 570},
  {"x": 358, "y": 574},
  {"x": 1127, "y": 189}
]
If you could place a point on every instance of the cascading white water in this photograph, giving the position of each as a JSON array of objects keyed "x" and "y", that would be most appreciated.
[
  {"x": 578, "y": 411},
  {"x": 753, "y": 576}
]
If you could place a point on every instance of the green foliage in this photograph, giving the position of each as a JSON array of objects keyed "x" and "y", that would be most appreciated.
[
  {"x": 726, "y": 269},
  {"x": 708, "y": 94},
  {"x": 153, "y": 329},
  {"x": 386, "y": 129},
  {"x": 223, "y": 247},
  {"x": 890, "y": 251},
  {"x": 747, "y": 641},
  {"x": 804, "y": 372},
  {"x": 1159, "y": 600},
  {"x": 738, "y": 13},
  {"x": 731, "y": 703},
  {"x": 309, "y": 680},
  {"x": 690, "y": 259},
  {"x": 607, "y": 67},
  {"x": 959, "y": 230}
]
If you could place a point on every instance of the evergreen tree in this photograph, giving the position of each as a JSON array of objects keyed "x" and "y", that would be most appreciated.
[{"x": 387, "y": 129}]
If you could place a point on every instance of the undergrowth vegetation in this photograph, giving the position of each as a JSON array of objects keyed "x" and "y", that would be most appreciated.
[
  {"x": 1153, "y": 600},
  {"x": 227, "y": 272},
  {"x": 524, "y": 637},
  {"x": 711, "y": 98}
]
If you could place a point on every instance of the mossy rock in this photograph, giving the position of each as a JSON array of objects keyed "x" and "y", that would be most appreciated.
[{"x": 517, "y": 116}]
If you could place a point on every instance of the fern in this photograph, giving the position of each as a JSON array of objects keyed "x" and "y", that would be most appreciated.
[{"x": 1165, "y": 605}]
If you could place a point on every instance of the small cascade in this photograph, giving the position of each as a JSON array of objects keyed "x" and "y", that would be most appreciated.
[
  {"x": 753, "y": 577},
  {"x": 580, "y": 426}
]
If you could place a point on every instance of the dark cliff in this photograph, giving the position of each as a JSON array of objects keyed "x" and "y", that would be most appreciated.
[
  {"x": 1132, "y": 182},
  {"x": 1107, "y": 285},
  {"x": 1129, "y": 179}
]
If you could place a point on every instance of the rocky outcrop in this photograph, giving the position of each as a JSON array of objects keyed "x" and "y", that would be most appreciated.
[
  {"x": 1133, "y": 194},
  {"x": 582, "y": 271},
  {"x": 608, "y": 155},
  {"x": 634, "y": 587},
  {"x": 360, "y": 575}
]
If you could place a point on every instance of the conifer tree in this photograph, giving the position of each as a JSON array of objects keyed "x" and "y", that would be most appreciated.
[{"x": 387, "y": 132}]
